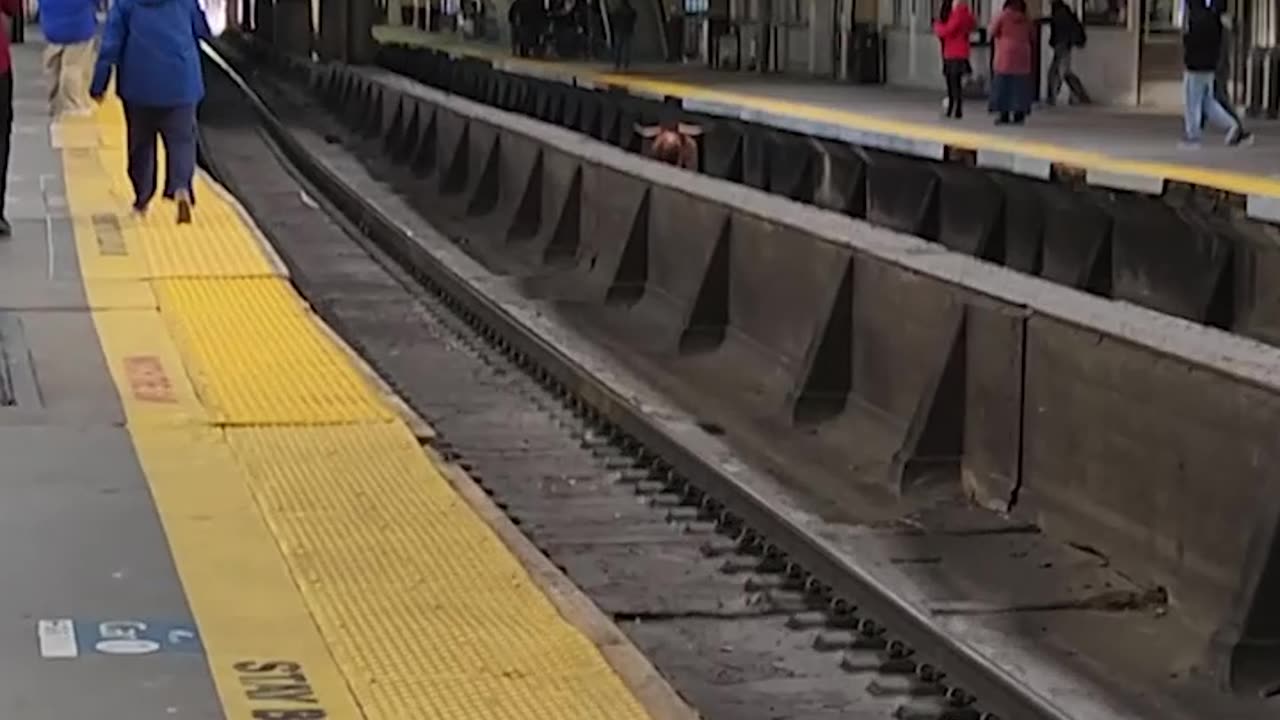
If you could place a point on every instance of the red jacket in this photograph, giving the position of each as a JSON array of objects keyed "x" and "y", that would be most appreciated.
[
  {"x": 954, "y": 32},
  {"x": 13, "y": 9},
  {"x": 1011, "y": 36}
]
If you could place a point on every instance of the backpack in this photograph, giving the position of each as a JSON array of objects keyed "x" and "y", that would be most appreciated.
[{"x": 1082, "y": 38}]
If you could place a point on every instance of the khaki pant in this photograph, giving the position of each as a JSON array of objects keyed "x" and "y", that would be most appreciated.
[{"x": 69, "y": 69}]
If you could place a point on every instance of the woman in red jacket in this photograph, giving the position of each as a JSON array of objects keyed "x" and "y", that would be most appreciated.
[
  {"x": 1011, "y": 84},
  {"x": 953, "y": 26}
]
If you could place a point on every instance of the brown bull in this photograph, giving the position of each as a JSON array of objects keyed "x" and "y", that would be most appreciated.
[{"x": 674, "y": 144}]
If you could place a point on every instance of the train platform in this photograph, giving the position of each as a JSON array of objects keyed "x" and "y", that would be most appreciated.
[
  {"x": 210, "y": 507},
  {"x": 1112, "y": 148}
]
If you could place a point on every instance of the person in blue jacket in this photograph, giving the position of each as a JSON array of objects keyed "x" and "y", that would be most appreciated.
[
  {"x": 154, "y": 47},
  {"x": 69, "y": 27}
]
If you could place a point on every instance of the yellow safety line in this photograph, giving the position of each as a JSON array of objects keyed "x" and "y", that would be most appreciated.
[
  {"x": 332, "y": 569},
  {"x": 265, "y": 653},
  {"x": 1235, "y": 182}
]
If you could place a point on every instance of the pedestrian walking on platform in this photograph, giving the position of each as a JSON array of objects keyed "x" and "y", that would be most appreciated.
[
  {"x": 1201, "y": 53},
  {"x": 69, "y": 28},
  {"x": 13, "y": 9},
  {"x": 624, "y": 26},
  {"x": 153, "y": 45},
  {"x": 1066, "y": 35},
  {"x": 1011, "y": 84},
  {"x": 953, "y": 27},
  {"x": 516, "y": 22}
]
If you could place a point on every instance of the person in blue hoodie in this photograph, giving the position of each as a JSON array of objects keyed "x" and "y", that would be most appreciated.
[
  {"x": 154, "y": 47},
  {"x": 69, "y": 27}
]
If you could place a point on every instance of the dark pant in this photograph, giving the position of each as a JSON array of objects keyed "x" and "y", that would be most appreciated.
[
  {"x": 954, "y": 71},
  {"x": 520, "y": 40},
  {"x": 622, "y": 50},
  {"x": 177, "y": 127},
  {"x": 6, "y": 133}
]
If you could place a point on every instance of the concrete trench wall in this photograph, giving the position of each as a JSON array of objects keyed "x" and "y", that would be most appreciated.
[
  {"x": 1180, "y": 255},
  {"x": 1146, "y": 437}
]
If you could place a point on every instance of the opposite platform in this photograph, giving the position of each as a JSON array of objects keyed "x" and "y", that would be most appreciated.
[
  {"x": 1111, "y": 147},
  {"x": 210, "y": 509}
]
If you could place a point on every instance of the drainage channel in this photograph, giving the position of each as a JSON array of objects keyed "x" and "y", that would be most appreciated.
[{"x": 746, "y": 619}]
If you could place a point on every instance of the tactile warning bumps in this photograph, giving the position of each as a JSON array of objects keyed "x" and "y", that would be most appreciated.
[
  {"x": 424, "y": 607},
  {"x": 219, "y": 243},
  {"x": 257, "y": 357},
  {"x": 425, "y": 611}
]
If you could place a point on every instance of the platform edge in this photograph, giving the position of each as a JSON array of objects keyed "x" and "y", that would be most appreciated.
[{"x": 658, "y": 698}]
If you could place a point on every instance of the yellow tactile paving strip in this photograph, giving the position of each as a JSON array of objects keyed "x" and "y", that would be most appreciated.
[
  {"x": 172, "y": 254},
  {"x": 257, "y": 355},
  {"x": 308, "y": 527},
  {"x": 409, "y": 564}
]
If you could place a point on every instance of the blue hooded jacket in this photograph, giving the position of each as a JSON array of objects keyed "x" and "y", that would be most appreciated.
[
  {"x": 66, "y": 22},
  {"x": 155, "y": 47}
]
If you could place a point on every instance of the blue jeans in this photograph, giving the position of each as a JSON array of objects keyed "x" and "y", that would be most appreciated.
[
  {"x": 177, "y": 127},
  {"x": 1201, "y": 104}
]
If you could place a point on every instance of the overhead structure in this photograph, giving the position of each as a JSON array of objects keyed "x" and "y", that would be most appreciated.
[
  {"x": 339, "y": 30},
  {"x": 293, "y": 27},
  {"x": 346, "y": 31}
]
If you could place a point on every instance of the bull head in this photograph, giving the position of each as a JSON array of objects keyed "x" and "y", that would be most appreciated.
[{"x": 672, "y": 143}]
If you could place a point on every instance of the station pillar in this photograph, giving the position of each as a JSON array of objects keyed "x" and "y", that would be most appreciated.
[
  {"x": 264, "y": 20},
  {"x": 333, "y": 30},
  {"x": 293, "y": 27},
  {"x": 346, "y": 31},
  {"x": 360, "y": 46}
]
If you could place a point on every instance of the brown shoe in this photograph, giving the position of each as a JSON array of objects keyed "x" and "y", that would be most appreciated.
[{"x": 184, "y": 206}]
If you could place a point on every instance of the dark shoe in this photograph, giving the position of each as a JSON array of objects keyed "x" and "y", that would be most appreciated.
[
  {"x": 1238, "y": 137},
  {"x": 1002, "y": 119},
  {"x": 184, "y": 207},
  {"x": 5, "y": 228}
]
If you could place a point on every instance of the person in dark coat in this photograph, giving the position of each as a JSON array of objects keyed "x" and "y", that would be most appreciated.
[
  {"x": 534, "y": 22},
  {"x": 1066, "y": 35},
  {"x": 516, "y": 20},
  {"x": 624, "y": 26},
  {"x": 1201, "y": 53},
  {"x": 153, "y": 46}
]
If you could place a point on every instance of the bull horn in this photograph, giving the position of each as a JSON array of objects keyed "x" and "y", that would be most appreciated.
[
  {"x": 687, "y": 129},
  {"x": 647, "y": 132}
]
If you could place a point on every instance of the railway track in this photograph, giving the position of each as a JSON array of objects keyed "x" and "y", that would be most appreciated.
[{"x": 742, "y": 611}]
